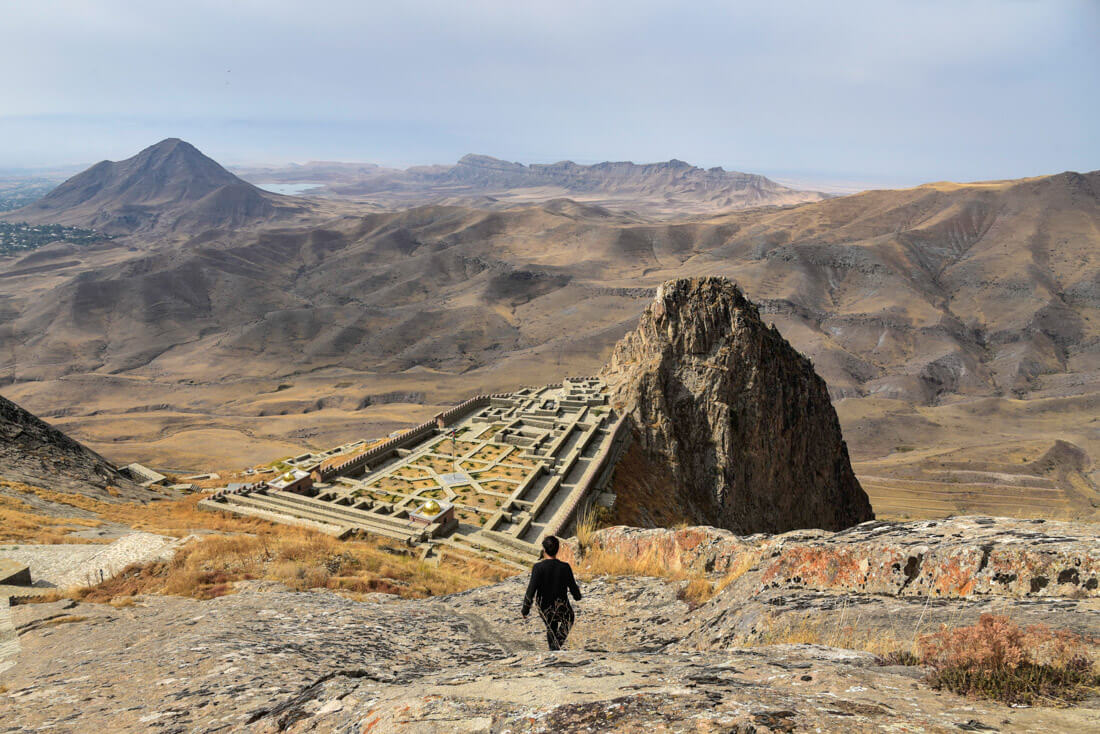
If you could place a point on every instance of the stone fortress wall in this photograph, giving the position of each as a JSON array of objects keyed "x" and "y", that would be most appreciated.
[{"x": 440, "y": 420}]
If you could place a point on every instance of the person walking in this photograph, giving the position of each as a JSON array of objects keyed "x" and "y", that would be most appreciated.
[{"x": 551, "y": 583}]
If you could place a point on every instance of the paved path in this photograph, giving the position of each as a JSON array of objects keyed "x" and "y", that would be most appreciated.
[{"x": 63, "y": 565}]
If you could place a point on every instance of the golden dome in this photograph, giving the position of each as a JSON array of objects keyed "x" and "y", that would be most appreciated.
[{"x": 431, "y": 507}]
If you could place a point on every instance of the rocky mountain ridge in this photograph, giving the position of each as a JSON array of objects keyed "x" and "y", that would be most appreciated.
[
  {"x": 489, "y": 181},
  {"x": 738, "y": 417},
  {"x": 669, "y": 178}
]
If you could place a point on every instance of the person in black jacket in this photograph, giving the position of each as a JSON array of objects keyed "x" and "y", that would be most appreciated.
[{"x": 551, "y": 582}]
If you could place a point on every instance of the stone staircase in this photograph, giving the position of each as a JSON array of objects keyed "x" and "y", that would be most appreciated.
[{"x": 484, "y": 545}]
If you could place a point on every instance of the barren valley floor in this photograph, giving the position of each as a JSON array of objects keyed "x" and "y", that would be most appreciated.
[{"x": 978, "y": 456}]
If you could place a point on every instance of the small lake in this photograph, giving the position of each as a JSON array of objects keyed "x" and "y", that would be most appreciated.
[{"x": 289, "y": 189}]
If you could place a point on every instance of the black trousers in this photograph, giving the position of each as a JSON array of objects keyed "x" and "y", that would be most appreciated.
[{"x": 558, "y": 620}]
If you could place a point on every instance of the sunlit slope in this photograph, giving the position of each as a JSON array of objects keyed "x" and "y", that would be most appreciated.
[{"x": 911, "y": 303}]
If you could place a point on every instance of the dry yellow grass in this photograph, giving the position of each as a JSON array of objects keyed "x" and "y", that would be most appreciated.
[
  {"x": 844, "y": 633},
  {"x": 239, "y": 548},
  {"x": 696, "y": 587},
  {"x": 176, "y": 517},
  {"x": 744, "y": 563},
  {"x": 19, "y": 523},
  {"x": 587, "y": 524},
  {"x": 300, "y": 559},
  {"x": 67, "y": 619},
  {"x": 19, "y": 526}
]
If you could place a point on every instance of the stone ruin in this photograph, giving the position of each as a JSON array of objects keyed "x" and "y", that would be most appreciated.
[{"x": 493, "y": 475}]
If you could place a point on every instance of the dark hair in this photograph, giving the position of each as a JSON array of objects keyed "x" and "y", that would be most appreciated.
[{"x": 550, "y": 545}]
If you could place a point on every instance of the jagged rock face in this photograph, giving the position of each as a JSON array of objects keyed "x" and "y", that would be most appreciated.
[
  {"x": 741, "y": 417},
  {"x": 34, "y": 452}
]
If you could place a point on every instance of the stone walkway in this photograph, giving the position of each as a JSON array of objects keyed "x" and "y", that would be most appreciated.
[{"x": 62, "y": 566}]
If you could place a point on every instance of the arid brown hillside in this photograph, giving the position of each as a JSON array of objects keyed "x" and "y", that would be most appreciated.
[
  {"x": 956, "y": 325},
  {"x": 32, "y": 451}
]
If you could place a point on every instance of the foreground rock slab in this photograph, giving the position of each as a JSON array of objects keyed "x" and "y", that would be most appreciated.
[
  {"x": 271, "y": 661},
  {"x": 954, "y": 557}
]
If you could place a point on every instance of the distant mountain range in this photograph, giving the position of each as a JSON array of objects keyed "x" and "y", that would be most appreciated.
[
  {"x": 929, "y": 311},
  {"x": 916, "y": 294},
  {"x": 671, "y": 186},
  {"x": 169, "y": 186}
]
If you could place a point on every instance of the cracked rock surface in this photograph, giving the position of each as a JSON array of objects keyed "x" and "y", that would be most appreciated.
[
  {"x": 640, "y": 659},
  {"x": 954, "y": 557}
]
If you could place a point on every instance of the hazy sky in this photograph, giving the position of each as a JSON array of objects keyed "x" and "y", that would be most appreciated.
[{"x": 878, "y": 90}]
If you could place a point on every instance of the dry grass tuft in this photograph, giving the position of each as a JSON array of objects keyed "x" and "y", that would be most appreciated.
[
  {"x": 67, "y": 619},
  {"x": 997, "y": 659},
  {"x": 697, "y": 588},
  {"x": 696, "y": 591},
  {"x": 587, "y": 524}
]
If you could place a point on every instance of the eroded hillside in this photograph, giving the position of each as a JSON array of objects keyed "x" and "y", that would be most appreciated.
[{"x": 956, "y": 324}]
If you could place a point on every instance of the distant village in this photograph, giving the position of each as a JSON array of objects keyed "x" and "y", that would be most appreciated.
[{"x": 17, "y": 238}]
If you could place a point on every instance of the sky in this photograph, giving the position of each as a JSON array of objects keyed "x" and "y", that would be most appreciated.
[{"x": 884, "y": 91}]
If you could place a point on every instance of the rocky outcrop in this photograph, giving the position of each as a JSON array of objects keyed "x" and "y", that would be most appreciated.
[
  {"x": 958, "y": 557},
  {"x": 740, "y": 417},
  {"x": 34, "y": 452},
  {"x": 639, "y": 659}
]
